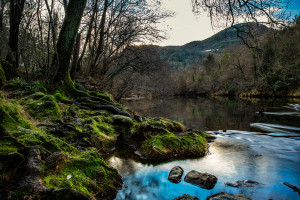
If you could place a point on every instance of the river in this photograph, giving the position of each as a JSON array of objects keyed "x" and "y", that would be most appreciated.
[{"x": 256, "y": 139}]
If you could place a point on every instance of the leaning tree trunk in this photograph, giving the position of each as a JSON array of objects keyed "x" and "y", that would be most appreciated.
[{"x": 66, "y": 41}]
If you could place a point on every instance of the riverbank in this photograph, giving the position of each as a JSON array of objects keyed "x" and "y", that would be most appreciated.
[{"x": 53, "y": 142}]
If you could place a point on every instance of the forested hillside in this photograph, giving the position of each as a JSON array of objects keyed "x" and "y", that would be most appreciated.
[
  {"x": 195, "y": 52},
  {"x": 270, "y": 67}
]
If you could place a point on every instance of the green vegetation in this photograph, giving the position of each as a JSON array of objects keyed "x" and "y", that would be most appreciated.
[
  {"x": 87, "y": 173},
  {"x": 194, "y": 53},
  {"x": 43, "y": 107},
  {"x": 63, "y": 139},
  {"x": 270, "y": 68},
  {"x": 168, "y": 145}
]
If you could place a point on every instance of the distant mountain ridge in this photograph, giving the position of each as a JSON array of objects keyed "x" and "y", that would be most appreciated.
[{"x": 194, "y": 52}]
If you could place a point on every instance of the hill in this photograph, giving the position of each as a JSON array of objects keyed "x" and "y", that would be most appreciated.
[{"x": 194, "y": 52}]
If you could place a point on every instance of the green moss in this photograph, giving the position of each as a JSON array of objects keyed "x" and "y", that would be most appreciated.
[
  {"x": 11, "y": 114},
  {"x": 171, "y": 145},
  {"x": 170, "y": 125},
  {"x": 2, "y": 78},
  {"x": 101, "y": 95},
  {"x": 122, "y": 120},
  {"x": 49, "y": 142},
  {"x": 87, "y": 173},
  {"x": 102, "y": 135},
  {"x": 59, "y": 96},
  {"x": 43, "y": 107}
]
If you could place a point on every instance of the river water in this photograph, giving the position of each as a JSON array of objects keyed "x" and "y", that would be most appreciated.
[{"x": 255, "y": 140}]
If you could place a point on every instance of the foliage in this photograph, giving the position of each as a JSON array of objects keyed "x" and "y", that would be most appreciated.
[{"x": 272, "y": 68}]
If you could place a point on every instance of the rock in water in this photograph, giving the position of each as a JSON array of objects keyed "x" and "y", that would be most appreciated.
[
  {"x": 245, "y": 183},
  {"x": 203, "y": 180},
  {"x": 175, "y": 174},
  {"x": 227, "y": 196},
  {"x": 186, "y": 197}
]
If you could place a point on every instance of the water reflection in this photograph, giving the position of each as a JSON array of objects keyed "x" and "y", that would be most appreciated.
[
  {"x": 261, "y": 158},
  {"x": 235, "y": 155},
  {"x": 221, "y": 113}
]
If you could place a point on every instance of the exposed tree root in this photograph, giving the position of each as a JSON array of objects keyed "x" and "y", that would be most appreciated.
[{"x": 93, "y": 102}]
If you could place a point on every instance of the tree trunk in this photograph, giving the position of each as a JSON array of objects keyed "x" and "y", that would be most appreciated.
[
  {"x": 74, "y": 68},
  {"x": 1, "y": 15},
  {"x": 16, "y": 9},
  {"x": 66, "y": 41}
]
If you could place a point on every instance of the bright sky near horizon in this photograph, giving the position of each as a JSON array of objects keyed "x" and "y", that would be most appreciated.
[{"x": 186, "y": 27}]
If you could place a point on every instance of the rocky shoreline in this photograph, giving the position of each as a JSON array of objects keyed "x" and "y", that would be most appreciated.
[{"x": 53, "y": 141}]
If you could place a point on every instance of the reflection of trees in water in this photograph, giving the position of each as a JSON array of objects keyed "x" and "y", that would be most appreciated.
[
  {"x": 212, "y": 113},
  {"x": 123, "y": 165}
]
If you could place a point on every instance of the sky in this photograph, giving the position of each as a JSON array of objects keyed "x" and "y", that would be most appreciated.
[{"x": 186, "y": 27}]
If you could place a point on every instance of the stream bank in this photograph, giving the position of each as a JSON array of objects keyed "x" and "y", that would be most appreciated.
[
  {"x": 246, "y": 148},
  {"x": 53, "y": 140}
]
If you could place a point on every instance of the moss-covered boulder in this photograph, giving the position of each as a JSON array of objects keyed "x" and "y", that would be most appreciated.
[
  {"x": 101, "y": 133},
  {"x": 86, "y": 173},
  {"x": 90, "y": 177},
  {"x": 43, "y": 107},
  {"x": 170, "y": 145},
  {"x": 12, "y": 115}
]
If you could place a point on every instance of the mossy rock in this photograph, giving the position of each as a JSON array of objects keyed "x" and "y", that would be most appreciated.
[
  {"x": 43, "y": 107},
  {"x": 123, "y": 125},
  {"x": 170, "y": 125},
  {"x": 101, "y": 135},
  {"x": 12, "y": 114},
  {"x": 122, "y": 120},
  {"x": 170, "y": 145},
  {"x": 86, "y": 173}
]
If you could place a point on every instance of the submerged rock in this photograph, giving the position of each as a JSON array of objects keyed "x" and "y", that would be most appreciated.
[
  {"x": 244, "y": 183},
  {"x": 227, "y": 196},
  {"x": 175, "y": 174},
  {"x": 203, "y": 180},
  {"x": 186, "y": 197}
]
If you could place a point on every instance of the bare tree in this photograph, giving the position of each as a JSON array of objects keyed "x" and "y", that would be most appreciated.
[
  {"x": 232, "y": 12},
  {"x": 16, "y": 9},
  {"x": 237, "y": 11}
]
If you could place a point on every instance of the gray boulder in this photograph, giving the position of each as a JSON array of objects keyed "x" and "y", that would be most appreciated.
[
  {"x": 227, "y": 196},
  {"x": 186, "y": 197},
  {"x": 175, "y": 174},
  {"x": 203, "y": 180}
]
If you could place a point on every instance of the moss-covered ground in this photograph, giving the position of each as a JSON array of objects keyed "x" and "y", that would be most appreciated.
[{"x": 74, "y": 130}]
